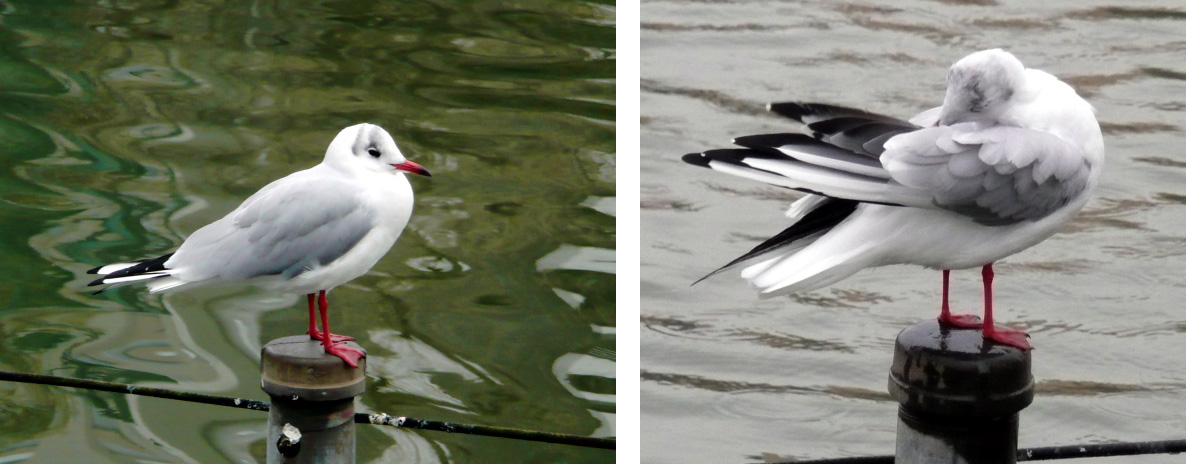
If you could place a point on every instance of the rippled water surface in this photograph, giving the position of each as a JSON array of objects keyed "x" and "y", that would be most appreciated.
[
  {"x": 727, "y": 377},
  {"x": 125, "y": 126}
]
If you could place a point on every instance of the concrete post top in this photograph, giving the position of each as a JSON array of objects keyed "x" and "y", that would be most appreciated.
[
  {"x": 956, "y": 372},
  {"x": 297, "y": 368}
]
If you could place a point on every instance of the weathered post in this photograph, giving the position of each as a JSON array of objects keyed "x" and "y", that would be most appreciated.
[
  {"x": 959, "y": 396},
  {"x": 312, "y": 414}
]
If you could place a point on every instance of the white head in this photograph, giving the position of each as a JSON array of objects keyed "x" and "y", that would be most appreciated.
[
  {"x": 368, "y": 147},
  {"x": 980, "y": 86}
]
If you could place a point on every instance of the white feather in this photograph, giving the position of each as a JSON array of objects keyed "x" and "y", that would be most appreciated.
[
  {"x": 311, "y": 230},
  {"x": 134, "y": 278},
  {"x": 1063, "y": 145},
  {"x": 114, "y": 267}
]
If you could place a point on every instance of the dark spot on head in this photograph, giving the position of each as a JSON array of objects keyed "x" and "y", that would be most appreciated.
[
  {"x": 365, "y": 140},
  {"x": 976, "y": 100}
]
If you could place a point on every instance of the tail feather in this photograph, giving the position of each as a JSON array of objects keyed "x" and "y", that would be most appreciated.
[
  {"x": 129, "y": 279},
  {"x": 118, "y": 274},
  {"x": 823, "y": 216},
  {"x": 806, "y": 149},
  {"x": 802, "y": 271},
  {"x": 839, "y": 164},
  {"x": 107, "y": 269},
  {"x": 811, "y": 113},
  {"x": 860, "y": 131},
  {"x": 772, "y": 259},
  {"x": 802, "y": 163}
]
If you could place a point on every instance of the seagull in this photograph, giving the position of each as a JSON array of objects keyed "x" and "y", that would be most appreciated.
[
  {"x": 1011, "y": 155},
  {"x": 305, "y": 233}
]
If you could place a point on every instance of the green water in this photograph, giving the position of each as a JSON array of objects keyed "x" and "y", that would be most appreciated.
[{"x": 125, "y": 126}]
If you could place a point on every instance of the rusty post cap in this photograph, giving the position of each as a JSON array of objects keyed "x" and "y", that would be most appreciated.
[
  {"x": 297, "y": 368},
  {"x": 956, "y": 372}
]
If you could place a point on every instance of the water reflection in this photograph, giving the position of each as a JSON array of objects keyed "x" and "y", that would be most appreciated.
[
  {"x": 411, "y": 367},
  {"x": 578, "y": 259},
  {"x": 126, "y": 127}
]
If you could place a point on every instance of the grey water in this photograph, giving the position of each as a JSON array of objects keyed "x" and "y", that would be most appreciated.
[{"x": 729, "y": 378}]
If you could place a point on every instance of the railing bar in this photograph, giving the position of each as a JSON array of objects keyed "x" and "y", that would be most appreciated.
[{"x": 362, "y": 418}]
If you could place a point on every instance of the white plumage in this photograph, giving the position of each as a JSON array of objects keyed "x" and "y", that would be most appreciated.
[
  {"x": 305, "y": 233},
  {"x": 1011, "y": 155}
]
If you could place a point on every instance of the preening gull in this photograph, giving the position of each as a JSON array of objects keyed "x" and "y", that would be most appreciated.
[
  {"x": 1011, "y": 155},
  {"x": 305, "y": 233}
]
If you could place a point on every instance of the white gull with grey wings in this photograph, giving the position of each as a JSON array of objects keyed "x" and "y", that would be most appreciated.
[
  {"x": 1010, "y": 157},
  {"x": 305, "y": 233}
]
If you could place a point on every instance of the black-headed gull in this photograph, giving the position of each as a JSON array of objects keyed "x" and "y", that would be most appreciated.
[
  {"x": 305, "y": 233},
  {"x": 1011, "y": 156}
]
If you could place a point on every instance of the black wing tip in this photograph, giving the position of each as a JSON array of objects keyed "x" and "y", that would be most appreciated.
[
  {"x": 761, "y": 141},
  {"x": 735, "y": 156},
  {"x": 826, "y": 111},
  {"x": 824, "y": 217},
  {"x": 728, "y": 155},
  {"x": 793, "y": 110},
  {"x": 142, "y": 266},
  {"x": 753, "y": 146},
  {"x": 796, "y": 110},
  {"x": 698, "y": 159},
  {"x": 706, "y": 276}
]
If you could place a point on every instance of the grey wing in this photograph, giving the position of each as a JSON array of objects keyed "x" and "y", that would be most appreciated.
[
  {"x": 996, "y": 176},
  {"x": 290, "y": 226}
]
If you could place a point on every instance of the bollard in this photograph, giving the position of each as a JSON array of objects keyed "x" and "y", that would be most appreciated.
[
  {"x": 311, "y": 419},
  {"x": 959, "y": 396}
]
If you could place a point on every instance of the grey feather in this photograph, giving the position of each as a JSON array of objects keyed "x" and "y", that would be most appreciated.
[
  {"x": 999, "y": 175},
  {"x": 271, "y": 234}
]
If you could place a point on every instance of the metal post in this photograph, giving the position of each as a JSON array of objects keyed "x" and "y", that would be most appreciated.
[
  {"x": 311, "y": 419},
  {"x": 960, "y": 396}
]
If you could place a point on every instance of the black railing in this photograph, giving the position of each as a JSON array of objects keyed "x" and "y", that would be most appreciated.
[{"x": 359, "y": 418}]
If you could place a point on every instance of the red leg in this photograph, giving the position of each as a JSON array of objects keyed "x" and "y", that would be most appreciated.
[
  {"x": 1014, "y": 338},
  {"x": 313, "y": 333},
  {"x": 323, "y": 302},
  {"x": 331, "y": 342},
  {"x": 963, "y": 321}
]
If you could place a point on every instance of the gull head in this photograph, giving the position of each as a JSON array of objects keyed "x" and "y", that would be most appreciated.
[
  {"x": 369, "y": 147},
  {"x": 980, "y": 87}
]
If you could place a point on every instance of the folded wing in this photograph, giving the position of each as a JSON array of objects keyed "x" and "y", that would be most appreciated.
[
  {"x": 994, "y": 176},
  {"x": 277, "y": 232}
]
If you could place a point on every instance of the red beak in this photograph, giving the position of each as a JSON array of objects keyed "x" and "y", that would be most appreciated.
[{"x": 408, "y": 166}]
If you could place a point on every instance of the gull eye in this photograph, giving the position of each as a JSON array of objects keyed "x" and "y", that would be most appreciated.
[{"x": 373, "y": 152}]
